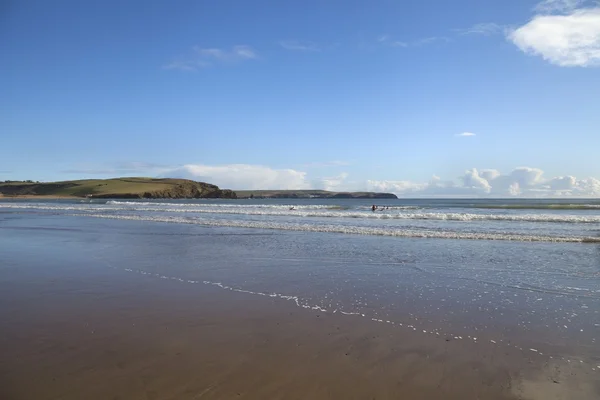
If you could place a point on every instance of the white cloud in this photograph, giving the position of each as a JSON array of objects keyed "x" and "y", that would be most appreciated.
[
  {"x": 257, "y": 177},
  {"x": 527, "y": 177},
  {"x": 400, "y": 187},
  {"x": 569, "y": 40},
  {"x": 489, "y": 174},
  {"x": 466, "y": 134},
  {"x": 206, "y": 57},
  {"x": 334, "y": 183},
  {"x": 522, "y": 181},
  {"x": 299, "y": 46},
  {"x": 562, "y": 183},
  {"x": 243, "y": 176},
  {"x": 473, "y": 180}
]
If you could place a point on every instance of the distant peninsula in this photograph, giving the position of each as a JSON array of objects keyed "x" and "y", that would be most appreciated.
[
  {"x": 118, "y": 188},
  {"x": 165, "y": 188},
  {"x": 310, "y": 194}
]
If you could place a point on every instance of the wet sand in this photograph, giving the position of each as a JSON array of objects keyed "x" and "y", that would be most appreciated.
[{"x": 101, "y": 333}]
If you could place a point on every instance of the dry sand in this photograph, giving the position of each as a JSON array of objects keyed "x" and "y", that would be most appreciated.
[{"x": 113, "y": 335}]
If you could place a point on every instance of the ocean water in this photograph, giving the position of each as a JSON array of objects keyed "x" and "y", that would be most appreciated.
[{"x": 518, "y": 273}]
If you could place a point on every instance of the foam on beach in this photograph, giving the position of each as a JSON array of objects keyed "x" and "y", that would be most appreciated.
[
  {"x": 356, "y": 230},
  {"x": 413, "y": 326},
  {"x": 312, "y": 211}
]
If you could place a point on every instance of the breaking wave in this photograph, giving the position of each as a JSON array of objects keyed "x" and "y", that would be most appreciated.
[
  {"x": 225, "y": 206},
  {"x": 535, "y": 206},
  {"x": 312, "y": 211},
  {"x": 356, "y": 230}
]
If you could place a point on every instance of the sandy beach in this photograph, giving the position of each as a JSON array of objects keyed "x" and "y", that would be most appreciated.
[
  {"x": 112, "y": 335},
  {"x": 94, "y": 308}
]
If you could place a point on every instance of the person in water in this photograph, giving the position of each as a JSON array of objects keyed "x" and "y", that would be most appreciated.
[{"x": 374, "y": 208}]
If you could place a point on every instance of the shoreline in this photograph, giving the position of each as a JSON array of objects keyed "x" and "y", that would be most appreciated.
[
  {"x": 166, "y": 339},
  {"x": 186, "y": 312}
]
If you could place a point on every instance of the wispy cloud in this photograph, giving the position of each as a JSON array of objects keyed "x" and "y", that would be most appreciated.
[
  {"x": 568, "y": 39},
  {"x": 237, "y": 53},
  {"x": 387, "y": 40},
  {"x": 558, "y": 6},
  {"x": 486, "y": 29},
  {"x": 430, "y": 40},
  {"x": 186, "y": 65},
  {"x": 202, "y": 57},
  {"x": 466, "y": 134},
  {"x": 296, "y": 45}
]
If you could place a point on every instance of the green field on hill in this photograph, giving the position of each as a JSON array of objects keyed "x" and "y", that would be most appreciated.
[{"x": 116, "y": 188}]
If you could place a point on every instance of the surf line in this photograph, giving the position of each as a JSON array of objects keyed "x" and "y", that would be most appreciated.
[
  {"x": 357, "y": 230},
  {"x": 299, "y": 303}
]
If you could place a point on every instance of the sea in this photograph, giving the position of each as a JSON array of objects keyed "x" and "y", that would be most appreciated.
[{"x": 519, "y": 273}]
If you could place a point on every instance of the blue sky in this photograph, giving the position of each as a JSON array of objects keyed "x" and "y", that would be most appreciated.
[{"x": 342, "y": 95}]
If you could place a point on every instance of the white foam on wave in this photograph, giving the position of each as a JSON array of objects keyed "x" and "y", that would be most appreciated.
[
  {"x": 223, "y": 206},
  {"x": 357, "y": 230},
  {"x": 318, "y": 211}
]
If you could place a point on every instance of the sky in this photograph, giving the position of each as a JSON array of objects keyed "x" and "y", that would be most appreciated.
[{"x": 419, "y": 98}]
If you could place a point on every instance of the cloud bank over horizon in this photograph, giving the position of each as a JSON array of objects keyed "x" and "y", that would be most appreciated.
[{"x": 520, "y": 182}]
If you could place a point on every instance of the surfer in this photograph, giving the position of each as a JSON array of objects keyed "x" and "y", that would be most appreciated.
[{"x": 374, "y": 208}]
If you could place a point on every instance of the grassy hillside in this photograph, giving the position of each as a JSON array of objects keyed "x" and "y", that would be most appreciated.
[
  {"x": 117, "y": 188},
  {"x": 305, "y": 194}
]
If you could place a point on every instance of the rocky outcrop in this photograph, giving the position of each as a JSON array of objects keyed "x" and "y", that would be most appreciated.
[{"x": 184, "y": 190}]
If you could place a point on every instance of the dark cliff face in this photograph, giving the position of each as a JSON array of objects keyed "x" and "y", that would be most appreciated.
[
  {"x": 191, "y": 190},
  {"x": 188, "y": 190}
]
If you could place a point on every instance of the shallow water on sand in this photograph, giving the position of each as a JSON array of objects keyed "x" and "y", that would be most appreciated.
[{"x": 541, "y": 298}]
